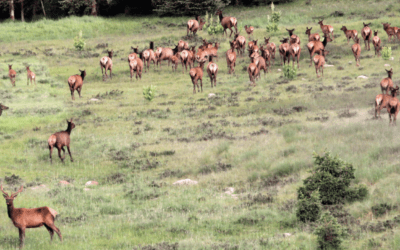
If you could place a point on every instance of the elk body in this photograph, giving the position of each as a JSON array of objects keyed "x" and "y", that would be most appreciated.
[
  {"x": 182, "y": 45},
  {"x": 31, "y": 76},
  {"x": 366, "y": 34},
  {"x": 147, "y": 56},
  {"x": 23, "y": 218},
  {"x": 136, "y": 65},
  {"x": 12, "y": 74},
  {"x": 271, "y": 47},
  {"x": 249, "y": 30},
  {"x": 260, "y": 63},
  {"x": 231, "y": 57},
  {"x": 2, "y": 107},
  {"x": 390, "y": 31},
  {"x": 75, "y": 82},
  {"x": 393, "y": 106},
  {"x": 376, "y": 41},
  {"x": 253, "y": 73},
  {"x": 187, "y": 58},
  {"x": 312, "y": 37},
  {"x": 60, "y": 140},
  {"x": 356, "y": 48},
  {"x": 293, "y": 38},
  {"x": 326, "y": 29},
  {"x": 350, "y": 34},
  {"x": 266, "y": 54},
  {"x": 195, "y": 25},
  {"x": 196, "y": 74},
  {"x": 316, "y": 46},
  {"x": 319, "y": 61},
  {"x": 106, "y": 63},
  {"x": 284, "y": 50},
  {"x": 212, "y": 71},
  {"x": 241, "y": 41},
  {"x": 227, "y": 22},
  {"x": 163, "y": 54},
  {"x": 387, "y": 82},
  {"x": 175, "y": 62},
  {"x": 134, "y": 54},
  {"x": 294, "y": 51}
]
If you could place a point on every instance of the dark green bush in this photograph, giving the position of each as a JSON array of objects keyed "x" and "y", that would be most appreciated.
[
  {"x": 329, "y": 234},
  {"x": 309, "y": 208},
  {"x": 381, "y": 209}
]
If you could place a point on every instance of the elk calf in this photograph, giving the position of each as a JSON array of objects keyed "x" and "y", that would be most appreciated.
[
  {"x": 227, "y": 22},
  {"x": 393, "y": 106},
  {"x": 60, "y": 140},
  {"x": 212, "y": 70},
  {"x": 387, "y": 82},
  {"x": 316, "y": 46},
  {"x": 23, "y": 218},
  {"x": 136, "y": 65},
  {"x": 106, "y": 63},
  {"x": 326, "y": 29},
  {"x": 12, "y": 74},
  {"x": 75, "y": 82},
  {"x": 260, "y": 63},
  {"x": 193, "y": 26},
  {"x": 366, "y": 34},
  {"x": 249, "y": 30},
  {"x": 376, "y": 41},
  {"x": 390, "y": 31},
  {"x": 31, "y": 76},
  {"x": 381, "y": 101},
  {"x": 134, "y": 54},
  {"x": 196, "y": 74},
  {"x": 356, "y": 48},
  {"x": 147, "y": 56},
  {"x": 350, "y": 34},
  {"x": 2, "y": 107},
  {"x": 312, "y": 37},
  {"x": 319, "y": 61}
]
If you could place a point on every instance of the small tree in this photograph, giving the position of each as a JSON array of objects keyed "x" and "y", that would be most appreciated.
[
  {"x": 149, "y": 92},
  {"x": 289, "y": 72},
  {"x": 79, "y": 42},
  {"x": 309, "y": 208},
  {"x": 386, "y": 53},
  {"x": 329, "y": 234}
]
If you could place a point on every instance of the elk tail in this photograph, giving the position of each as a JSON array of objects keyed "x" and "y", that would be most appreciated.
[
  {"x": 368, "y": 36},
  {"x": 53, "y": 212}
]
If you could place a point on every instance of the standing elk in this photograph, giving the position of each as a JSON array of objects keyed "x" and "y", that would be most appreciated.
[
  {"x": 393, "y": 106},
  {"x": 266, "y": 54},
  {"x": 241, "y": 41},
  {"x": 319, "y": 61},
  {"x": 187, "y": 58},
  {"x": 196, "y": 74},
  {"x": 12, "y": 74},
  {"x": 106, "y": 63},
  {"x": 253, "y": 73},
  {"x": 366, "y": 34},
  {"x": 147, "y": 56},
  {"x": 60, "y": 140},
  {"x": 284, "y": 50},
  {"x": 175, "y": 62},
  {"x": 312, "y": 37},
  {"x": 260, "y": 63},
  {"x": 134, "y": 54},
  {"x": 231, "y": 57},
  {"x": 194, "y": 25},
  {"x": 356, "y": 48},
  {"x": 251, "y": 46},
  {"x": 326, "y": 29},
  {"x": 387, "y": 82},
  {"x": 212, "y": 71},
  {"x": 350, "y": 34},
  {"x": 294, "y": 51},
  {"x": 316, "y": 46},
  {"x": 2, "y": 107},
  {"x": 271, "y": 47},
  {"x": 31, "y": 76},
  {"x": 381, "y": 101},
  {"x": 390, "y": 31},
  {"x": 249, "y": 30},
  {"x": 75, "y": 82},
  {"x": 23, "y": 218},
  {"x": 165, "y": 54},
  {"x": 292, "y": 37},
  {"x": 227, "y": 22},
  {"x": 136, "y": 65},
  {"x": 376, "y": 41},
  {"x": 182, "y": 45}
]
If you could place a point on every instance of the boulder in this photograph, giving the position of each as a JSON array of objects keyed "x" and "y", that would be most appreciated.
[{"x": 185, "y": 182}]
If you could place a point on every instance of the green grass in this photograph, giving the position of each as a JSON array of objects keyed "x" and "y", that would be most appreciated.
[{"x": 247, "y": 138}]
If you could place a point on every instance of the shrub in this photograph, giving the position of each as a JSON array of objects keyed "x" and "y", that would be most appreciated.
[
  {"x": 386, "y": 53},
  {"x": 329, "y": 234},
  {"x": 289, "y": 72},
  {"x": 217, "y": 29},
  {"x": 149, "y": 92},
  {"x": 273, "y": 20},
  {"x": 79, "y": 42},
  {"x": 309, "y": 208},
  {"x": 381, "y": 209}
]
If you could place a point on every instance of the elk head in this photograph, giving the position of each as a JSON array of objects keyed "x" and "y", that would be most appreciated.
[
  {"x": 375, "y": 33},
  {"x": 366, "y": 24},
  {"x": 201, "y": 24},
  {"x": 83, "y": 73},
  {"x": 321, "y": 22},
  {"x": 394, "y": 91},
  {"x": 343, "y": 28},
  {"x": 2, "y": 107},
  {"x": 71, "y": 125},
  {"x": 290, "y": 32},
  {"x": 10, "y": 199},
  {"x": 390, "y": 72},
  {"x": 110, "y": 53},
  {"x": 284, "y": 40},
  {"x": 308, "y": 31},
  {"x": 9, "y": 66}
]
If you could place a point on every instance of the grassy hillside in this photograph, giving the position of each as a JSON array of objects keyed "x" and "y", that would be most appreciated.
[{"x": 251, "y": 139}]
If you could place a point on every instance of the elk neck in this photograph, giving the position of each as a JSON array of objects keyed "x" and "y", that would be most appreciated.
[
  {"x": 10, "y": 209},
  {"x": 220, "y": 16},
  {"x": 69, "y": 129}
]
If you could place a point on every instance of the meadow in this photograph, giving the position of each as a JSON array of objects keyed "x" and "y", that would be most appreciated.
[{"x": 258, "y": 140}]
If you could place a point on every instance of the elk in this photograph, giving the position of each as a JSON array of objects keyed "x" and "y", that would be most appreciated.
[
  {"x": 251, "y": 46},
  {"x": 231, "y": 57},
  {"x": 356, "y": 48},
  {"x": 202, "y": 53},
  {"x": 249, "y": 30},
  {"x": 366, "y": 34},
  {"x": 134, "y": 54},
  {"x": 60, "y": 140},
  {"x": 174, "y": 61},
  {"x": 194, "y": 25},
  {"x": 212, "y": 71},
  {"x": 253, "y": 73},
  {"x": 182, "y": 45},
  {"x": 227, "y": 22},
  {"x": 294, "y": 51},
  {"x": 187, "y": 58},
  {"x": 241, "y": 41},
  {"x": 12, "y": 74},
  {"x": 266, "y": 54},
  {"x": 393, "y": 106},
  {"x": 2, "y": 107},
  {"x": 312, "y": 37},
  {"x": 106, "y": 62},
  {"x": 381, "y": 101},
  {"x": 165, "y": 54},
  {"x": 376, "y": 41},
  {"x": 284, "y": 50},
  {"x": 196, "y": 74},
  {"x": 316, "y": 46},
  {"x": 387, "y": 82},
  {"x": 75, "y": 82},
  {"x": 390, "y": 31},
  {"x": 260, "y": 63},
  {"x": 350, "y": 34},
  {"x": 293, "y": 38},
  {"x": 31, "y": 76},
  {"x": 191, "y": 22},
  {"x": 136, "y": 65},
  {"x": 147, "y": 56},
  {"x": 23, "y": 218},
  {"x": 326, "y": 29},
  {"x": 319, "y": 61},
  {"x": 271, "y": 47}
]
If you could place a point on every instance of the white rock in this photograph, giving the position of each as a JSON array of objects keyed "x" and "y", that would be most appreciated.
[
  {"x": 94, "y": 100},
  {"x": 91, "y": 183},
  {"x": 185, "y": 182},
  {"x": 86, "y": 189},
  {"x": 392, "y": 58},
  {"x": 328, "y": 65},
  {"x": 304, "y": 79},
  {"x": 211, "y": 95},
  {"x": 229, "y": 190},
  {"x": 287, "y": 235},
  {"x": 362, "y": 77},
  {"x": 350, "y": 62},
  {"x": 387, "y": 65},
  {"x": 279, "y": 70}
]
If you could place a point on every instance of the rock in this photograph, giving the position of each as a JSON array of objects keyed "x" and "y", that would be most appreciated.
[
  {"x": 229, "y": 190},
  {"x": 328, "y": 65},
  {"x": 86, "y": 189},
  {"x": 91, "y": 183},
  {"x": 211, "y": 95},
  {"x": 65, "y": 183},
  {"x": 362, "y": 77},
  {"x": 304, "y": 79},
  {"x": 39, "y": 187},
  {"x": 285, "y": 235},
  {"x": 392, "y": 58},
  {"x": 279, "y": 70},
  {"x": 387, "y": 65},
  {"x": 94, "y": 100},
  {"x": 185, "y": 182}
]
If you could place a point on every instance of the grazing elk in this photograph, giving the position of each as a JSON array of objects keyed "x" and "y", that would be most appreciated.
[
  {"x": 31, "y": 76},
  {"x": 260, "y": 62},
  {"x": 381, "y": 101},
  {"x": 241, "y": 41},
  {"x": 182, "y": 45},
  {"x": 249, "y": 30},
  {"x": 2, "y": 107},
  {"x": 387, "y": 82},
  {"x": 134, "y": 54},
  {"x": 326, "y": 29},
  {"x": 231, "y": 57},
  {"x": 356, "y": 48},
  {"x": 106, "y": 63},
  {"x": 393, "y": 106},
  {"x": 293, "y": 38},
  {"x": 196, "y": 74},
  {"x": 366, "y": 34},
  {"x": 376, "y": 41},
  {"x": 390, "y": 31},
  {"x": 136, "y": 65},
  {"x": 60, "y": 140},
  {"x": 253, "y": 73},
  {"x": 350, "y": 34},
  {"x": 75, "y": 82},
  {"x": 316, "y": 46},
  {"x": 319, "y": 61},
  {"x": 23, "y": 218},
  {"x": 294, "y": 51},
  {"x": 271, "y": 47},
  {"x": 284, "y": 50},
  {"x": 12, "y": 74},
  {"x": 147, "y": 56},
  {"x": 312, "y": 37},
  {"x": 227, "y": 22},
  {"x": 194, "y": 25},
  {"x": 212, "y": 71}
]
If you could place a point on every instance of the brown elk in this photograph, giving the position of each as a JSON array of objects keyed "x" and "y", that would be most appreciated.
[
  {"x": 251, "y": 46},
  {"x": 147, "y": 56},
  {"x": 23, "y": 218},
  {"x": 293, "y": 38},
  {"x": 376, "y": 41},
  {"x": 12, "y": 74},
  {"x": 75, "y": 82},
  {"x": 191, "y": 22},
  {"x": 284, "y": 50},
  {"x": 350, "y": 34},
  {"x": 253, "y": 73},
  {"x": 231, "y": 57},
  {"x": 196, "y": 74},
  {"x": 31, "y": 76},
  {"x": 390, "y": 31},
  {"x": 249, "y": 30},
  {"x": 393, "y": 106},
  {"x": 366, "y": 34},
  {"x": 212, "y": 71},
  {"x": 195, "y": 25},
  {"x": 319, "y": 61},
  {"x": 294, "y": 51},
  {"x": 260, "y": 62},
  {"x": 175, "y": 62},
  {"x": 202, "y": 53},
  {"x": 387, "y": 82},
  {"x": 136, "y": 65},
  {"x": 312, "y": 37},
  {"x": 134, "y": 54},
  {"x": 2, "y": 107},
  {"x": 165, "y": 54},
  {"x": 60, "y": 140},
  {"x": 227, "y": 22},
  {"x": 271, "y": 47},
  {"x": 316, "y": 46},
  {"x": 187, "y": 58},
  {"x": 241, "y": 41},
  {"x": 326, "y": 29},
  {"x": 266, "y": 54},
  {"x": 106, "y": 63},
  {"x": 381, "y": 101},
  {"x": 182, "y": 45},
  {"x": 356, "y": 48}
]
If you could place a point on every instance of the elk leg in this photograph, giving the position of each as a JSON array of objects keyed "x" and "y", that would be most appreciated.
[
  {"x": 62, "y": 148},
  {"x": 21, "y": 237},
  {"x": 27, "y": 81},
  {"x": 79, "y": 92},
  {"x": 51, "y": 152},
  {"x": 201, "y": 84},
  {"x": 211, "y": 79},
  {"x": 51, "y": 232},
  {"x": 72, "y": 94},
  {"x": 194, "y": 86},
  {"x": 69, "y": 152},
  {"x": 59, "y": 154},
  {"x": 54, "y": 228},
  {"x": 111, "y": 73}
]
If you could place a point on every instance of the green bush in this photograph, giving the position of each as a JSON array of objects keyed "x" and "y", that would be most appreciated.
[
  {"x": 79, "y": 42},
  {"x": 330, "y": 234},
  {"x": 380, "y": 209},
  {"x": 217, "y": 29},
  {"x": 272, "y": 27},
  {"x": 149, "y": 92},
  {"x": 289, "y": 72},
  {"x": 386, "y": 53},
  {"x": 273, "y": 20},
  {"x": 309, "y": 207}
]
